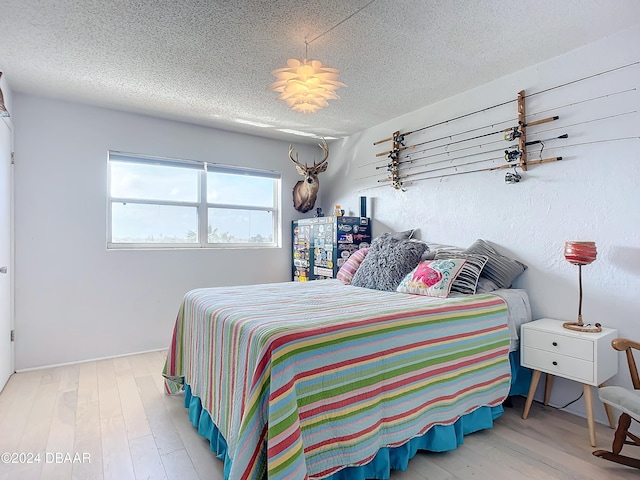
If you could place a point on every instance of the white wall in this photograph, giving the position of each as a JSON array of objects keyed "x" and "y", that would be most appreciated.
[
  {"x": 592, "y": 194},
  {"x": 74, "y": 299}
]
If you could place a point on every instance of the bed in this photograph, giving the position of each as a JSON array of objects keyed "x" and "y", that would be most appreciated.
[{"x": 325, "y": 380}]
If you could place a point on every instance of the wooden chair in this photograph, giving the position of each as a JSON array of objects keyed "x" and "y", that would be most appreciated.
[{"x": 626, "y": 400}]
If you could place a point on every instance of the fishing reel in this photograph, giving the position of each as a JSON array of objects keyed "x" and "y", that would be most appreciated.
[
  {"x": 512, "y": 154},
  {"x": 514, "y": 177},
  {"x": 393, "y": 168},
  {"x": 512, "y": 134},
  {"x": 393, "y": 155},
  {"x": 398, "y": 185}
]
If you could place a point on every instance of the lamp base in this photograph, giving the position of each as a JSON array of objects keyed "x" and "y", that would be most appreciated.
[{"x": 580, "y": 327}]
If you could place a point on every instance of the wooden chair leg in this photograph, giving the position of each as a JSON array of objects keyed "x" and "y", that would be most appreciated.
[
  {"x": 635, "y": 439},
  {"x": 619, "y": 439},
  {"x": 621, "y": 459},
  {"x": 621, "y": 433}
]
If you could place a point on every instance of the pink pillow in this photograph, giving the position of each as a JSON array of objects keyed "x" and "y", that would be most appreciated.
[{"x": 348, "y": 269}]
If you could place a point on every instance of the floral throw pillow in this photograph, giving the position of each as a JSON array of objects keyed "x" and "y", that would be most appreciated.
[{"x": 432, "y": 278}]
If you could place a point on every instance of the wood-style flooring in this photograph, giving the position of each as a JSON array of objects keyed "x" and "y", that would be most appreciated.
[{"x": 110, "y": 419}]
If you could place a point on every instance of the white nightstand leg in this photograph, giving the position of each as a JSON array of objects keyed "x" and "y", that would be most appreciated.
[
  {"x": 532, "y": 390},
  {"x": 588, "y": 403},
  {"x": 607, "y": 408}
]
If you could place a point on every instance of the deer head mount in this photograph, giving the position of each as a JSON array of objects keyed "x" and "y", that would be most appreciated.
[{"x": 305, "y": 191}]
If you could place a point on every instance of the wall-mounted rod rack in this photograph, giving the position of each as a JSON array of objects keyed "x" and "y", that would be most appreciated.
[
  {"x": 403, "y": 156},
  {"x": 515, "y": 152}
]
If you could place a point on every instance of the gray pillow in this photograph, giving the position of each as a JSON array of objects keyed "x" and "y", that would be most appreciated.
[
  {"x": 485, "y": 285},
  {"x": 499, "y": 268},
  {"x": 433, "y": 248},
  {"x": 387, "y": 263},
  {"x": 467, "y": 280},
  {"x": 404, "y": 235}
]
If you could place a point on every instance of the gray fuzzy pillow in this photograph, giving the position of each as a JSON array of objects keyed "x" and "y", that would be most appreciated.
[
  {"x": 501, "y": 269},
  {"x": 387, "y": 263}
]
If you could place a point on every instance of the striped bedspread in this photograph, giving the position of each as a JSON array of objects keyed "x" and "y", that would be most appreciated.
[{"x": 303, "y": 379}]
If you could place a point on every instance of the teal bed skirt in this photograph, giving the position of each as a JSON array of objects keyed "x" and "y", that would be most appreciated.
[{"x": 439, "y": 438}]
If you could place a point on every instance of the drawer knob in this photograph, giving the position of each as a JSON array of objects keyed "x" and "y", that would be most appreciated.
[
  {"x": 555, "y": 363},
  {"x": 555, "y": 344}
]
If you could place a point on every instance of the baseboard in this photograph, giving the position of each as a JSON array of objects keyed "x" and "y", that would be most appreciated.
[{"x": 44, "y": 367}]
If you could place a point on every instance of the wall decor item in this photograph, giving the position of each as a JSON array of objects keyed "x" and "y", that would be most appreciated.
[
  {"x": 405, "y": 158},
  {"x": 3, "y": 109},
  {"x": 425, "y": 153},
  {"x": 305, "y": 191},
  {"x": 580, "y": 253}
]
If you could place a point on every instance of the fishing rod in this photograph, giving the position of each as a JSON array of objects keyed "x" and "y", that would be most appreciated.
[
  {"x": 425, "y": 172},
  {"x": 591, "y": 143},
  {"x": 514, "y": 130},
  {"x": 400, "y": 138},
  {"x": 447, "y": 121},
  {"x": 515, "y": 119},
  {"x": 411, "y": 159},
  {"x": 599, "y": 97},
  {"x": 509, "y": 178},
  {"x": 550, "y": 148},
  {"x": 532, "y": 162},
  {"x": 509, "y": 101},
  {"x": 510, "y": 152},
  {"x": 510, "y": 134},
  {"x": 586, "y": 121}
]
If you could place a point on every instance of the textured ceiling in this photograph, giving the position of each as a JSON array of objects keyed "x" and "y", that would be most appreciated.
[{"x": 210, "y": 62}]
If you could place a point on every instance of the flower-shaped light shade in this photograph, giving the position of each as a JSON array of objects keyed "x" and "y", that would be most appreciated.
[{"x": 306, "y": 85}]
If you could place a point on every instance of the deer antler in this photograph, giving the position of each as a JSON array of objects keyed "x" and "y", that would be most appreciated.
[
  {"x": 325, "y": 149},
  {"x": 296, "y": 161}
]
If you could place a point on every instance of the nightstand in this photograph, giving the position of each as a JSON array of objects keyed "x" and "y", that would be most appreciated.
[{"x": 588, "y": 358}]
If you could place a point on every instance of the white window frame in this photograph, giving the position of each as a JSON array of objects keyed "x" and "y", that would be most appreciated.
[{"x": 201, "y": 205}]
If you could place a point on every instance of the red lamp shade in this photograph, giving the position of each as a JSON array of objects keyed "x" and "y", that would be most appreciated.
[{"x": 580, "y": 253}]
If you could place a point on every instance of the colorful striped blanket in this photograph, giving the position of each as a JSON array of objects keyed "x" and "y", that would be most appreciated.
[{"x": 303, "y": 379}]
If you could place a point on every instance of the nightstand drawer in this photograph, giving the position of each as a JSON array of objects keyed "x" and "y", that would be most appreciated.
[
  {"x": 557, "y": 364},
  {"x": 561, "y": 344}
]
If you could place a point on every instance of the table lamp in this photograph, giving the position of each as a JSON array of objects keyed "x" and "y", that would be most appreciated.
[{"x": 580, "y": 253}]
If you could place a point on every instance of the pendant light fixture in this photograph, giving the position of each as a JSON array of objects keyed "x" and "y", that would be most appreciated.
[{"x": 306, "y": 85}]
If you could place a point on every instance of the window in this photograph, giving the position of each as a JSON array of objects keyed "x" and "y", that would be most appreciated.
[{"x": 156, "y": 202}]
